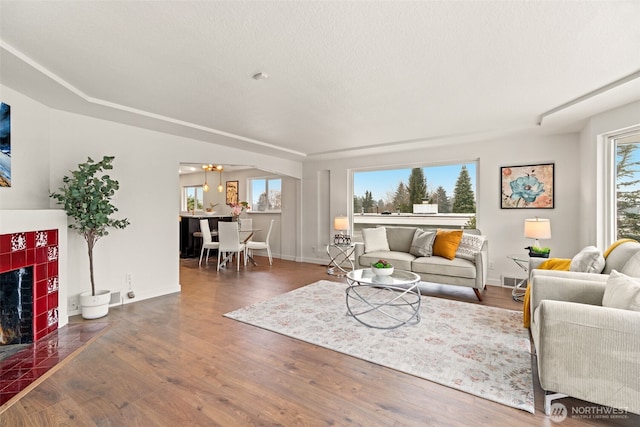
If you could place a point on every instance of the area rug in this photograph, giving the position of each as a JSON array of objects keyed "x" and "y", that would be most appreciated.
[{"x": 480, "y": 350}]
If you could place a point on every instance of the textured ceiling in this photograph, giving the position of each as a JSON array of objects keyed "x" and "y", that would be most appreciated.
[{"x": 342, "y": 75}]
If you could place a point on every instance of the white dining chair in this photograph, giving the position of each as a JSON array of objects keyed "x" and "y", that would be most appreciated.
[
  {"x": 207, "y": 241},
  {"x": 251, "y": 245},
  {"x": 229, "y": 243}
]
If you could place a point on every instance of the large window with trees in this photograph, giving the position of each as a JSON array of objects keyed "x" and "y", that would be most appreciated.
[
  {"x": 627, "y": 184},
  {"x": 450, "y": 187}
]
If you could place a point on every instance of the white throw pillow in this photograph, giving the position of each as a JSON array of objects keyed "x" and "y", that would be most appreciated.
[
  {"x": 470, "y": 245},
  {"x": 422, "y": 243},
  {"x": 588, "y": 260},
  {"x": 375, "y": 239},
  {"x": 622, "y": 292},
  {"x": 632, "y": 267}
]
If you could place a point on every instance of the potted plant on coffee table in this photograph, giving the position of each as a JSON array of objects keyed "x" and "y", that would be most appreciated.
[{"x": 86, "y": 198}]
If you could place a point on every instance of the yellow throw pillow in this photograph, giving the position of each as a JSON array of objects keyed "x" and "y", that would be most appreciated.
[{"x": 446, "y": 243}]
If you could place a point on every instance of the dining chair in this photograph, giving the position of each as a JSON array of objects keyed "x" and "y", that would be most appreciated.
[
  {"x": 229, "y": 243},
  {"x": 207, "y": 241},
  {"x": 251, "y": 245}
]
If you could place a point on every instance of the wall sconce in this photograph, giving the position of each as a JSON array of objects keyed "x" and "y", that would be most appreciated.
[{"x": 341, "y": 224}]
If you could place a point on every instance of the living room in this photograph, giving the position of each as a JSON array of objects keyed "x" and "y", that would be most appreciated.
[{"x": 51, "y": 135}]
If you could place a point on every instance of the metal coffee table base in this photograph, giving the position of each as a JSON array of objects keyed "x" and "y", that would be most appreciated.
[{"x": 400, "y": 305}]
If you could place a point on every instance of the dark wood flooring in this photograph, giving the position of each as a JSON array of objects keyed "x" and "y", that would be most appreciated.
[{"x": 176, "y": 361}]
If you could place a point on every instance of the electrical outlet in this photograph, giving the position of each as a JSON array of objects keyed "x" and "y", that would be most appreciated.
[
  {"x": 128, "y": 280},
  {"x": 74, "y": 304},
  {"x": 492, "y": 265}
]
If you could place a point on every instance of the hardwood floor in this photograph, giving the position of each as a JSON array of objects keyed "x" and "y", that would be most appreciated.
[{"x": 176, "y": 361}]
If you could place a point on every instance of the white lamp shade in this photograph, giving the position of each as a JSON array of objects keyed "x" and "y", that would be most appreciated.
[
  {"x": 341, "y": 223},
  {"x": 537, "y": 228}
]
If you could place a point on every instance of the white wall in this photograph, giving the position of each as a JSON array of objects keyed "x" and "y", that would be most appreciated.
[{"x": 504, "y": 227}]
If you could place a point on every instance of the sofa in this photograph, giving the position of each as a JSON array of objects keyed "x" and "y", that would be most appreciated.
[
  {"x": 585, "y": 328},
  {"x": 411, "y": 249}
]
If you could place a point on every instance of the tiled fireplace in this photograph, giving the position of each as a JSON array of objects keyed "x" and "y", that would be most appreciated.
[
  {"x": 28, "y": 270},
  {"x": 33, "y": 284}
]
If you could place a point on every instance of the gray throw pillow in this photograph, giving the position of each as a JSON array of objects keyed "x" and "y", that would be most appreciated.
[
  {"x": 622, "y": 292},
  {"x": 422, "y": 243},
  {"x": 588, "y": 260}
]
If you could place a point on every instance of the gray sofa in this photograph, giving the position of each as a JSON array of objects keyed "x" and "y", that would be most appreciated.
[{"x": 435, "y": 269}]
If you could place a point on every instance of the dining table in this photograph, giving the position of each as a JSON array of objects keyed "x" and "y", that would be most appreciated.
[{"x": 245, "y": 236}]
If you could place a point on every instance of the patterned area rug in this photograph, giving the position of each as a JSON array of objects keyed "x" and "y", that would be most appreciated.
[{"x": 481, "y": 350}]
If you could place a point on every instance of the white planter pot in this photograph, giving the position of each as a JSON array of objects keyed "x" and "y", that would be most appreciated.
[{"x": 94, "y": 307}]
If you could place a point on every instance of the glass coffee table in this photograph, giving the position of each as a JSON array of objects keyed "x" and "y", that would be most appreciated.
[{"x": 383, "y": 302}]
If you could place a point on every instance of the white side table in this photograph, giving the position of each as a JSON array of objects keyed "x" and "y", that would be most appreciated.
[
  {"x": 521, "y": 287},
  {"x": 338, "y": 255}
]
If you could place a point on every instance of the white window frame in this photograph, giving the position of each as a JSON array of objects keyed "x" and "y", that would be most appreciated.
[
  {"x": 266, "y": 180},
  {"x": 610, "y": 197},
  {"x": 198, "y": 189}
]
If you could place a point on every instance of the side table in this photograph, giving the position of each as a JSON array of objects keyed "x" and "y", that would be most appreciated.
[
  {"x": 339, "y": 254},
  {"x": 521, "y": 287}
]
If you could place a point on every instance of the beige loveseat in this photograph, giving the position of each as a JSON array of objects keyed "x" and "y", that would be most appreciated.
[
  {"x": 587, "y": 348},
  {"x": 459, "y": 271}
]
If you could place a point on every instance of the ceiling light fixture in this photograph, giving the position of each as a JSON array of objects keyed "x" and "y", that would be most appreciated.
[
  {"x": 212, "y": 168},
  {"x": 260, "y": 76}
]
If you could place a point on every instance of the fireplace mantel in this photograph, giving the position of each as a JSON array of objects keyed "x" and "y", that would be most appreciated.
[{"x": 24, "y": 221}]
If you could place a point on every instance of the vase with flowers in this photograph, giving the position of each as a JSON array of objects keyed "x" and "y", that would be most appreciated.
[{"x": 238, "y": 209}]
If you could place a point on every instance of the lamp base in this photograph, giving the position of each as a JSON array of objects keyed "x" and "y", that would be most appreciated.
[{"x": 341, "y": 239}]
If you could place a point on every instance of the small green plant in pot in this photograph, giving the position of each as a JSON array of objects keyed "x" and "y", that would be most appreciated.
[
  {"x": 86, "y": 198},
  {"x": 382, "y": 267}
]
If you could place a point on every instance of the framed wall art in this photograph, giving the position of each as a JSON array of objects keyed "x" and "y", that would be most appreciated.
[
  {"x": 527, "y": 186},
  {"x": 232, "y": 192},
  {"x": 5, "y": 145}
]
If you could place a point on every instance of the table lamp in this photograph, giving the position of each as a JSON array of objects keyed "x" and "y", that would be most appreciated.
[
  {"x": 341, "y": 224},
  {"x": 537, "y": 228}
]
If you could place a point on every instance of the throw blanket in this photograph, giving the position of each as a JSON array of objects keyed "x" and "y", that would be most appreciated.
[{"x": 550, "y": 264}]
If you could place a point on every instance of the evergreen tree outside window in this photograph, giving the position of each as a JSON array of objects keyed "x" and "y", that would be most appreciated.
[
  {"x": 464, "y": 199},
  {"x": 627, "y": 185}
]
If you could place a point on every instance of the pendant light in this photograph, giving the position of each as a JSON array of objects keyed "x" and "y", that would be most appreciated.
[
  {"x": 205, "y": 187},
  {"x": 220, "y": 184}
]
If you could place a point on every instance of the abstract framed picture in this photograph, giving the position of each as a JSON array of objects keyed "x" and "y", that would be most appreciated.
[
  {"x": 5, "y": 145},
  {"x": 232, "y": 192},
  {"x": 527, "y": 186}
]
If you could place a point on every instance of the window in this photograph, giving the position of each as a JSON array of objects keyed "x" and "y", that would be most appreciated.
[
  {"x": 444, "y": 188},
  {"x": 626, "y": 200},
  {"x": 192, "y": 197},
  {"x": 265, "y": 194}
]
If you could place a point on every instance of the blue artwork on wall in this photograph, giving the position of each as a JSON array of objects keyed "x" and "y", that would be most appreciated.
[{"x": 5, "y": 145}]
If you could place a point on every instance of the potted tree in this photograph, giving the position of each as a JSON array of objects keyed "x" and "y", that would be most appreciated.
[{"x": 86, "y": 198}]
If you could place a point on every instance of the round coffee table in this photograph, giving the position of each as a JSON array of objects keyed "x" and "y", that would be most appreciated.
[{"x": 383, "y": 302}]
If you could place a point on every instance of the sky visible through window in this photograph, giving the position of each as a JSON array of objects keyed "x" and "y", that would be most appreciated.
[{"x": 384, "y": 182}]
